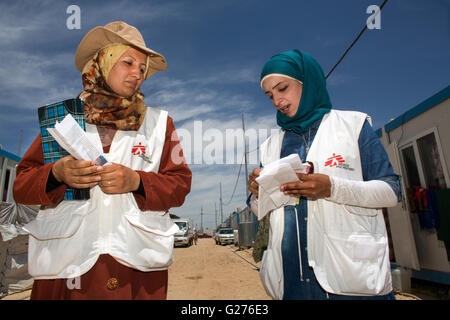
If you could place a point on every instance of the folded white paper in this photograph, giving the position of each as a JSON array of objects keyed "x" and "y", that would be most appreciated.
[
  {"x": 272, "y": 176},
  {"x": 74, "y": 140}
]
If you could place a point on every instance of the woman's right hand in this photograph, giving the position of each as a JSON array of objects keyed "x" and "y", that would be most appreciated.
[
  {"x": 79, "y": 174},
  {"x": 253, "y": 186}
]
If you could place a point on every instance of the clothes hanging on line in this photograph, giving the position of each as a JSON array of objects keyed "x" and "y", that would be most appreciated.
[{"x": 423, "y": 203}]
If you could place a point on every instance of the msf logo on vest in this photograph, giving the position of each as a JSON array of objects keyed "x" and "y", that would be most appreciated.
[
  {"x": 337, "y": 161},
  {"x": 139, "y": 150}
]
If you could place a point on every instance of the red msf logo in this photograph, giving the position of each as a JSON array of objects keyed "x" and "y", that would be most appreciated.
[
  {"x": 138, "y": 149},
  {"x": 334, "y": 160}
]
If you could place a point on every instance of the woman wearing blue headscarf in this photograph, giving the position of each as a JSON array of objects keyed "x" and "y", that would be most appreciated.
[{"x": 330, "y": 242}]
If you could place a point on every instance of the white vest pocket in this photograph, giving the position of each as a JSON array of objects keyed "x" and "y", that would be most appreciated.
[
  {"x": 147, "y": 241},
  {"x": 63, "y": 224},
  {"x": 156, "y": 224},
  {"x": 352, "y": 264},
  {"x": 55, "y": 242}
]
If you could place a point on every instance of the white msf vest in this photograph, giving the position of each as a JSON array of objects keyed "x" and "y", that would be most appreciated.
[
  {"x": 66, "y": 241},
  {"x": 347, "y": 245}
]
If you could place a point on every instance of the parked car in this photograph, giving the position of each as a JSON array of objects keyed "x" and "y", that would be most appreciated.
[
  {"x": 185, "y": 236},
  {"x": 225, "y": 236}
]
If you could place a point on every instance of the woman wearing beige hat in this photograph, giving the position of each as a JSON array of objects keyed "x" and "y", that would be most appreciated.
[{"x": 117, "y": 244}]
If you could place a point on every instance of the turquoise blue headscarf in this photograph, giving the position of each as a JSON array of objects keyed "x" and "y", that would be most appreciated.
[{"x": 315, "y": 101}]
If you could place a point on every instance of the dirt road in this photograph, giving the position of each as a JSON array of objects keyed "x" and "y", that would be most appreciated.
[
  {"x": 206, "y": 271},
  {"x": 209, "y": 271}
]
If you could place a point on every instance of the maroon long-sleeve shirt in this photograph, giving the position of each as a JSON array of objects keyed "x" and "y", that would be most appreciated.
[{"x": 163, "y": 190}]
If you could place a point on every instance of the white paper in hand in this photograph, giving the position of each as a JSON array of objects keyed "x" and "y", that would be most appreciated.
[
  {"x": 74, "y": 140},
  {"x": 272, "y": 176}
]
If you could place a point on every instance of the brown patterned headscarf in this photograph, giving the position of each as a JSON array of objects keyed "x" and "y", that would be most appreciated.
[{"x": 102, "y": 106}]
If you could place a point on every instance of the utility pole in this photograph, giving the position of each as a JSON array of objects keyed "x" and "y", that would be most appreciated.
[
  {"x": 245, "y": 157},
  {"x": 201, "y": 219},
  {"x": 215, "y": 210},
  {"x": 221, "y": 208}
]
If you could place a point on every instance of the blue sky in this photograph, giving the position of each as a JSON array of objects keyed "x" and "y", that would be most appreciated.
[{"x": 215, "y": 50}]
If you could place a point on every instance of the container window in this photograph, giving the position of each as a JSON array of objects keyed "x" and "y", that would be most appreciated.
[
  {"x": 431, "y": 162},
  {"x": 412, "y": 173}
]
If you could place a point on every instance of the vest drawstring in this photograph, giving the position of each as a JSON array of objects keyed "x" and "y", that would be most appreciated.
[{"x": 299, "y": 247}]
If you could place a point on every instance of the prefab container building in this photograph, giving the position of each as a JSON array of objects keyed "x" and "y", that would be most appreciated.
[{"x": 418, "y": 146}]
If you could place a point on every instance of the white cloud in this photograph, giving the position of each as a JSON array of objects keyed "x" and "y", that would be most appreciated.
[
  {"x": 202, "y": 96},
  {"x": 336, "y": 80},
  {"x": 29, "y": 80}
]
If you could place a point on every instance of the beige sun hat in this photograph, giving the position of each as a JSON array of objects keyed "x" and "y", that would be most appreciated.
[{"x": 116, "y": 32}]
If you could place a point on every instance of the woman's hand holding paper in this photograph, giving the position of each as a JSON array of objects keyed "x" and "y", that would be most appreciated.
[
  {"x": 253, "y": 186},
  {"x": 77, "y": 174},
  {"x": 313, "y": 186},
  {"x": 116, "y": 178}
]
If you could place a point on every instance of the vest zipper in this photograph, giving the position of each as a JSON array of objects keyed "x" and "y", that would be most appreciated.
[{"x": 299, "y": 247}]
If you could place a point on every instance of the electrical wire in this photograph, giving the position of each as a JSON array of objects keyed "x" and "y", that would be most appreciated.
[
  {"x": 354, "y": 41},
  {"x": 237, "y": 179}
]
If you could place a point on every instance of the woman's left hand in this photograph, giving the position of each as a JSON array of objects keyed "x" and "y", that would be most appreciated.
[
  {"x": 116, "y": 178},
  {"x": 312, "y": 186}
]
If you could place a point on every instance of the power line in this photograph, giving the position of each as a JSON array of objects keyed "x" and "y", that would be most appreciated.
[
  {"x": 237, "y": 179},
  {"x": 245, "y": 155},
  {"x": 354, "y": 41},
  {"x": 256, "y": 149}
]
